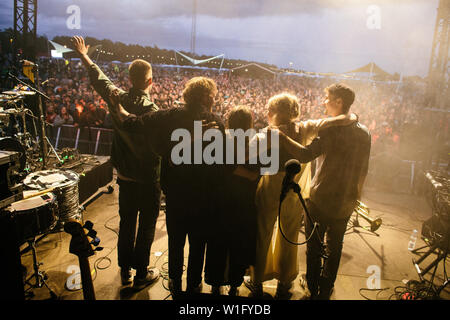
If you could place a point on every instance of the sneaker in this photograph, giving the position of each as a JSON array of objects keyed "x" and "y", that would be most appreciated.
[
  {"x": 126, "y": 276},
  {"x": 255, "y": 288},
  {"x": 283, "y": 291},
  {"x": 150, "y": 278}
]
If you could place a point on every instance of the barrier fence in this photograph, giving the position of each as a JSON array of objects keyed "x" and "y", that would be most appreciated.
[{"x": 87, "y": 140}]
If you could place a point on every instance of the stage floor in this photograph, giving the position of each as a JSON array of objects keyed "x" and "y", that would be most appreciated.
[{"x": 363, "y": 253}]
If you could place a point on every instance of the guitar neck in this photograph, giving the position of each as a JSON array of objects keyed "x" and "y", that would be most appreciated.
[{"x": 86, "y": 279}]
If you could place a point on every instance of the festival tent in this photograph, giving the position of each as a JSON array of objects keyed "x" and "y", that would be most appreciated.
[
  {"x": 187, "y": 67},
  {"x": 196, "y": 61},
  {"x": 253, "y": 69},
  {"x": 370, "y": 70},
  {"x": 60, "y": 48}
]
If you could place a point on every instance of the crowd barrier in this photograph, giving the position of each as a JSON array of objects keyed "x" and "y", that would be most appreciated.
[{"x": 87, "y": 140}]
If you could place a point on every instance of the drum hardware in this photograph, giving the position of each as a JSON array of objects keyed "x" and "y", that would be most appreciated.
[
  {"x": 19, "y": 139},
  {"x": 363, "y": 211},
  {"x": 18, "y": 93},
  {"x": 65, "y": 185},
  {"x": 34, "y": 215},
  {"x": 60, "y": 162},
  {"x": 39, "y": 276},
  {"x": 44, "y": 140}
]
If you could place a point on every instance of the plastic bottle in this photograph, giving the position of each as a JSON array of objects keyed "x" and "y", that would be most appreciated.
[{"x": 412, "y": 240}]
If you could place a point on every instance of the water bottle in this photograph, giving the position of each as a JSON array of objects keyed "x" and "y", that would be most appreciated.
[{"x": 412, "y": 240}]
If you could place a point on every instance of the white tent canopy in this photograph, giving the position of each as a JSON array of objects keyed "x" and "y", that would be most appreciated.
[
  {"x": 196, "y": 62},
  {"x": 60, "y": 48},
  {"x": 256, "y": 65}
]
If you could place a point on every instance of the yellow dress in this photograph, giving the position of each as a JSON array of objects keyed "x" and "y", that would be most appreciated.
[{"x": 276, "y": 257}]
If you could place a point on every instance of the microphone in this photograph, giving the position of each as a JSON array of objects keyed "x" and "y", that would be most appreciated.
[
  {"x": 29, "y": 63},
  {"x": 44, "y": 82},
  {"x": 179, "y": 102},
  {"x": 292, "y": 167}
]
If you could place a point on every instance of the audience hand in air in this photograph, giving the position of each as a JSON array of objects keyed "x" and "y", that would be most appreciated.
[{"x": 79, "y": 46}]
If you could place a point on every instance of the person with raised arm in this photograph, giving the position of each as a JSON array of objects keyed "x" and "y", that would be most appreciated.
[{"x": 138, "y": 170}]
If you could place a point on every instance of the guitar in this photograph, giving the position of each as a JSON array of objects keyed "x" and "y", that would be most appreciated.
[{"x": 83, "y": 248}]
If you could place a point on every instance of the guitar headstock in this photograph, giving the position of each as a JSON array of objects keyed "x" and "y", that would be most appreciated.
[{"x": 84, "y": 240}]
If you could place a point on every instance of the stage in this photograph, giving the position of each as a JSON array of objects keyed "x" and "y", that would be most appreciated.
[{"x": 365, "y": 255}]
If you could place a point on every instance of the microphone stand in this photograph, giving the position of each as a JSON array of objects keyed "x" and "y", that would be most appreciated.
[
  {"x": 296, "y": 189},
  {"x": 44, "y": 139}
]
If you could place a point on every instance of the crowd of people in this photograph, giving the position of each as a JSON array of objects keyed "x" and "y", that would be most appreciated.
[
  {"x": 393, "y": 114},
  {"x": 228, "y": 212}
]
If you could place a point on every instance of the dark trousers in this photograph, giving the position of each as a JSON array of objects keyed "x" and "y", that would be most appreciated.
[
  {"x": 334, "y": 230},
  {"x": 181, "y": 222},
  {"x": 134, "y": 198},
  {"x": 225, "y": 262}
]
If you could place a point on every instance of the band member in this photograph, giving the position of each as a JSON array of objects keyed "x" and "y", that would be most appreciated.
[
  {"x": 138, "y": 170},
  {"x": 278, "y": 259},
  {"x": 232, "y": 251},
  {"x": 342, "y": 165},
  {"x": 193, "y": 191}
]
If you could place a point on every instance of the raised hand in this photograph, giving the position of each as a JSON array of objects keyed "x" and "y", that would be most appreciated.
[{"x": 79, "y": 46}]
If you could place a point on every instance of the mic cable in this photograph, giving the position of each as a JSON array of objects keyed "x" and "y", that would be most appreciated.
[{"x": 292, "y": 168}]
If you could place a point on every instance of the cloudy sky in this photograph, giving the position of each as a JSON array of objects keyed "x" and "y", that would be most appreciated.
[{"x": 313, "y": 35}]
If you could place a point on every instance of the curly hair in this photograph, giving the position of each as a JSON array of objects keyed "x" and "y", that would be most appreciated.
[
  {"x": 284, "y": 106},
  {"x": 197, "y": 88}
]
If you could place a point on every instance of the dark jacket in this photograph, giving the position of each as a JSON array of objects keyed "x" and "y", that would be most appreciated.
[
  {"x": 131, "y": 155},
  {"x": 195, "y": 185}
]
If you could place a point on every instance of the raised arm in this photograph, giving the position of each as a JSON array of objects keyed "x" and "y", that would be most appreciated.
[
  {"x": 101, "y": 83},
  {"x": 82, "y": 49}
]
